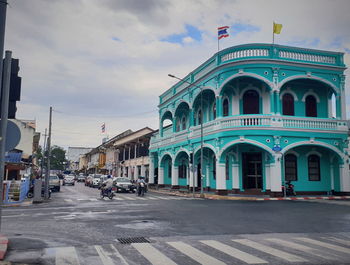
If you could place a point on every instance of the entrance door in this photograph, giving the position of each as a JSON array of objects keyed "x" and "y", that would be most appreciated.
[{"x": 252, "y": 171}]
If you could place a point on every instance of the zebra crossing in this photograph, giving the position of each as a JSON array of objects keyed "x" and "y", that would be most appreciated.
[
  {"x": 129, "y": 197},
  {"x": 273, "y": 250}
]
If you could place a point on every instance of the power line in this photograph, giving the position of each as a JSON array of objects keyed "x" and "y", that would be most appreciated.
[{"x": 106, "y": 116}]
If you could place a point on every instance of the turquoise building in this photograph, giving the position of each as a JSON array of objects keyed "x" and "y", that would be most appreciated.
[{"x": 269, "y": 113}]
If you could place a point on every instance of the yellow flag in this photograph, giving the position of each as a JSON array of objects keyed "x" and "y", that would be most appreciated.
[{"x": 277, "y": 28}]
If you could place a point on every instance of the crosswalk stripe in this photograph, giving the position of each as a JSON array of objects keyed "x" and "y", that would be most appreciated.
[
  {"x": 272, "y": 251},
  {"x": 116, "y": 253},
  {"x": 309, "y": 250},
  {"x": 140, "y": 198},
  {"x": 151, "y": 198},
  {"x": 66, "y": 256},
  {"x": 68, "y": 200},
  {"x": 116, "y": 197},
  {"x": 324, "y": 244},
  {"x": 104, "y": 256},
  {"x": 341, "y": 241},
  {"x": 195, "y": 254},
  {"x": 233, "y": 252},
  {"x": 93, "y": 200},
  {"x": 152, "y": 254},
  {"x": 162, "y": 198},
  {"x": 127, "y": 197}
]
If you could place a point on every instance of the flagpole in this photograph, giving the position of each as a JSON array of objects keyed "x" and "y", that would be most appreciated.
[{"x": 273, "y": 32}]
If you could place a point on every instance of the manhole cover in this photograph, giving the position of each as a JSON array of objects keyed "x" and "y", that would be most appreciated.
[{"x": 130, "y": 240}]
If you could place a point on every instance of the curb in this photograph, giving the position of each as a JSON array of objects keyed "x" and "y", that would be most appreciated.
[
  {"x": 25, "y": 203},
  {"x": 3, "y": 246},
  {"x": 244, "y": 198}
]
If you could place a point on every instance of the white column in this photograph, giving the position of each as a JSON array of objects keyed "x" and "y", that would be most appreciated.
[
  {"x": 207, "y": 175},
  {"x": 128, "y": 173},
  {"x": 332, "y": 176},
  {"x": 275, "y": 174},
  {"x": 343, "y": 105},
  {"x": 235, "y": 176},
  {"x": 344, "y": 177},
  {"x": 191, "y": 177},
  {"x": 268, "y": 178},
  {"x": 143, "y": 171},
  {"x": 188, "y": 175},
  {"x": 329, "y": 106},
  {"x": 160, "y": 175},
  {"x": 136, "y": 172},
  {"x": 220, "y": 176},
  {"x": 151, "y": 170},
  {"x": 174, "y": 175}
]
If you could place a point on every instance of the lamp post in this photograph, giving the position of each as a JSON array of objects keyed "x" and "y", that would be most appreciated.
[{"x": 201, "y": 123}]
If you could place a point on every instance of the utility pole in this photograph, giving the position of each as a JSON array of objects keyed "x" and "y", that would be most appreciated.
[
  {"x": 43, "y": 153},
  {"x": 47, "y": 176}
]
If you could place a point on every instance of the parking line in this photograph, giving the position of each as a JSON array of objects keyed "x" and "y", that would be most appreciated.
[
  {"x": 233, "y": 252},
  {"x": 272, "y": 251},
  {"x": 324, "y": 244},
  {"x": 152, "y": 254},
  {"x": 303, "y": 248},
  {"x": 195, "y": 254},
  {"x": 66, "y": 256}
]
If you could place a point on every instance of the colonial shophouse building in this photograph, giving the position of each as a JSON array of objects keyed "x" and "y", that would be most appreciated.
[{"x": 270, "y": 113}]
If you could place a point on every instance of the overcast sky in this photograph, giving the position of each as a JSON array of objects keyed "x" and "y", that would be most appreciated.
[{"x": 97, "y": 61}]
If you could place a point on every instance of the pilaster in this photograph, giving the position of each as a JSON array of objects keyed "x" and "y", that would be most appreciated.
[{"x": 220, "y": 178}]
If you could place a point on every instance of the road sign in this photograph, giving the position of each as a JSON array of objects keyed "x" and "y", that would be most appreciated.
[{"x": 13, "y": 136}]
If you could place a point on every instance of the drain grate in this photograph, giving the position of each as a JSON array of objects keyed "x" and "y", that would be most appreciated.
[{"x": 129, "y": 240}]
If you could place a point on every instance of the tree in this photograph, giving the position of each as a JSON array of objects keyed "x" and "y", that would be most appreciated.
[{"x": 57, "y": 158}]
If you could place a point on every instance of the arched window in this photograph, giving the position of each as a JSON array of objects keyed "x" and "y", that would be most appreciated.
[
  {"x": 290, "y": 168},
  {"x": 183, "y": 122},
  {"x": 225, "y": 105},
  {"x": 314, "y": 168},
  {"x": 310, "y": 106},
  {"x": 199, "y": 116},
  {"x": 251, "y": 104},
  {"x": 227, "y": 167},
  {"x": 214, "y": 110},
  {"x": 183, "y": 169},
  {"x": 288, "y": 104}
]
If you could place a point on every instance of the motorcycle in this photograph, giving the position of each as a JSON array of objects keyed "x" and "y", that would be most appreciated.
[
  {"x": 288, "y": 189},
  {"x": 141, "y": 189},
  {"x": 106, "y": 193},
  {"x": 30, "y": 193}
]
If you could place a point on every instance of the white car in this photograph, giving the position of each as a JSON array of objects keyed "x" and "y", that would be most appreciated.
[
  {"x": 96, "y": 180},
  {"x": 69, "y": 180}
]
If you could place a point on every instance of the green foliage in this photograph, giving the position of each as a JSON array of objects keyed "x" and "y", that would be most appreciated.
[{"x": 57, "y": 157}]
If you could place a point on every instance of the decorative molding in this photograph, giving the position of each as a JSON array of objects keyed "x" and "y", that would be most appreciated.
[{"x": 312, "y": 93}]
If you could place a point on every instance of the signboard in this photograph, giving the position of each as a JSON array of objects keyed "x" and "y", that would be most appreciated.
[{"x": 13, "y": 136}]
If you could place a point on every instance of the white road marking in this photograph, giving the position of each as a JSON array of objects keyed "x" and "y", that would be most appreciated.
[
  {"x": 162, "y": 198},
  {"x": 309, "y": 250},
  {"x": 116, "y": 197},
  {"x": 195, "y": 254},
  {"x": 127, "y": 197},
  {"x": 324, "y": 244},
  {"x": 233, "y": 252},
  {"x": 151, "y": 198},
  {"x": 66, "y": 256},
  {"x": 68, "y": 200},
  {"x": 140, "y": 198},
  {"x": 341, "y": 241},
  {"x": 152, "y": 254},
  {"x": 82, "y": 199},
  {"x": 93, "y": 200},
  {"x": 104, "y": 256},
  {"x": 272, "y": 251},
  {"x": 116, "y": 253}
]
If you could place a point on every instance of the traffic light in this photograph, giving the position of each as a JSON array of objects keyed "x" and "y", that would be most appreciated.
[{"x": 15, "y": 88}]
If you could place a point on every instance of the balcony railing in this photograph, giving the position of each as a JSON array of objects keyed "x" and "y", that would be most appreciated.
[{"x": 252, "y": 122}]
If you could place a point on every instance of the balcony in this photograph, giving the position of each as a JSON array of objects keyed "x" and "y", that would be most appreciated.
[{"x": 252, "y": 122}]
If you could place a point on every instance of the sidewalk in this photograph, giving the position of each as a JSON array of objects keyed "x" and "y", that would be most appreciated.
[{"x": 242, "y": 197}]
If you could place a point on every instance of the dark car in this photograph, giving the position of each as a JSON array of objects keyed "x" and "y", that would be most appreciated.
[{"x": 121, "y": 184}]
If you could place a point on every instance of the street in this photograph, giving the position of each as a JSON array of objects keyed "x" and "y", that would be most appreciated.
[{"x": 76, "y": 227}]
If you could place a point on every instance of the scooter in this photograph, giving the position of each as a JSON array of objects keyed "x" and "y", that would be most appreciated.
[
  {"x": 141, "y": 189},
  {"x": 289, "y": 189},
  {"x": 30, "y": 193},
  {"x": 106, "y": 193}
]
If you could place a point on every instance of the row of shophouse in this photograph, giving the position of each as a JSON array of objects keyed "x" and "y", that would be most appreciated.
[{"x": 245, "y": 121}]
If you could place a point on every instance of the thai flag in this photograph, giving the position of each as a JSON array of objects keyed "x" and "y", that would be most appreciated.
[
  {"x": 103, "y": 127},
  {"x": 222, "y": 32}
]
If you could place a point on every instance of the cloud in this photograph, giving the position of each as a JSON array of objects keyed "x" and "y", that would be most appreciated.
[{"x": 107, "y": 60}]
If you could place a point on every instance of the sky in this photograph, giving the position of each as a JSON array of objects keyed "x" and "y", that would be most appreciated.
[{"x": 107, "y": 61}]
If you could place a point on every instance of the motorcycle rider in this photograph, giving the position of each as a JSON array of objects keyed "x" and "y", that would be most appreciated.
[
  {"x": 108, "y": 184},
  {"x": 141, "y": 184}
]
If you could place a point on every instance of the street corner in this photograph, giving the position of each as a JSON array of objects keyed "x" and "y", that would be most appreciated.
[{"x": 3, "y": 246}]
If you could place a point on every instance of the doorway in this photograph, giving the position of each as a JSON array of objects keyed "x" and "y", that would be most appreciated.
[
  {"x": 252, "y": 171},
  {"x": 199, "y": 175}
]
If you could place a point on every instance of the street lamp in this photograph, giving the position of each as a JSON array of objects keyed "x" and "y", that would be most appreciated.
[{"x": 201, "y": 169}]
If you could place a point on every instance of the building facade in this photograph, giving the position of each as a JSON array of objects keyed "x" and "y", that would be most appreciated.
[
  {"x": 269, "y": 114},
  {"x": 73, "y": 156}
]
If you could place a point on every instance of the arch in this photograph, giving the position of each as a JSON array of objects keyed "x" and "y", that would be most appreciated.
[
  {"x": 251, "y": 102},
  {"x": 288, "y": 104},
  {"x": 256, "y": 76},
  {"x": 310, "y": 93},
  {"x": 245, "y": 141},
  {"x": 316, "y": 78},
  {"x": 250, "y": 87},
  {"x": 179, "y": 102},
  {"x": 165, "y": 116},
  {"x": 289, "y": 91},
  {"x": 209, "y": 146},
  {"x": 180, "y": 151},
  {"x": 313, "y": 152},
  {"x": 202, "y": 91},
  {"x": 316, "y": 143},
  {"x": 225, "y": 106},
  {"x": 293, "y": 153},
  {"x": 164, "y": 155}
]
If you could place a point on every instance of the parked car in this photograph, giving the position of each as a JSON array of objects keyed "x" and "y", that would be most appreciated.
[
  {"x": 54, "y": 183},
  {"x": 96, "y": 180},
  {"x": 81, "y": 178},
  {"x": 69, "y": 180},
  {"x": 121, "y": 184}
]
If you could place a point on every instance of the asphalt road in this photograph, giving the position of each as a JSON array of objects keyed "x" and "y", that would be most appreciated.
[{"x": 76, "y": 227}]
